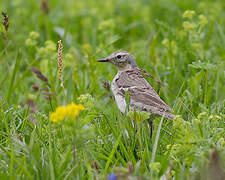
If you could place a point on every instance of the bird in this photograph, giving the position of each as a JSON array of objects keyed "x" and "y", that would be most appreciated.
[{"x": 142, "y": 96}]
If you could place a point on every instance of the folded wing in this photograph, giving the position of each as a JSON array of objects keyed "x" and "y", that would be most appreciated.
[{"x": 140, "y": 91}]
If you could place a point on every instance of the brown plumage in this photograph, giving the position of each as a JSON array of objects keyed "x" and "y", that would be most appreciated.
[{"x": 129, "y": 79}]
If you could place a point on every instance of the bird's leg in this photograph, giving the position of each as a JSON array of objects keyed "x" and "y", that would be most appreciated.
[{"x": 150, "y": 122}]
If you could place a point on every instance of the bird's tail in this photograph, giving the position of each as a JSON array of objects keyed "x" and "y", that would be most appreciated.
[
  {"x": 162, "y": 113},
  {"x": 168, "y": 115}
]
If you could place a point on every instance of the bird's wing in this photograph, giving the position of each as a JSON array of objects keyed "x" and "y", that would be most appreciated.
[{"x": 139, "y": 89}]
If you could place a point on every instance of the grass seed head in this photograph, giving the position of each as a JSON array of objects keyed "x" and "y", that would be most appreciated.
[
  {"x": 45, "y": 6},
  {"x": 60, "y": 61},
  {"x": 6, "y": 21},
  {"x": 40, "y": 75}
]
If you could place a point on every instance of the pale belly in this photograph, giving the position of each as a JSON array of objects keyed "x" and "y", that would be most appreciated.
[{"x": 120, "y": 100}]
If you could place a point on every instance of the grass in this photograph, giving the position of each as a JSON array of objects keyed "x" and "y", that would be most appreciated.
[{"x": 186, "y": 54}]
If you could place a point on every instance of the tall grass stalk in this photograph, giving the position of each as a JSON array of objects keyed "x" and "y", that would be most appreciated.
[
  {"x": 60, "y": 67},
  {"x": 156, "y": 141}
]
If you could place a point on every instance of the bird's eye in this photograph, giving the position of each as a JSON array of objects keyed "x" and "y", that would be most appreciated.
[{"x": 119, "y": 56}]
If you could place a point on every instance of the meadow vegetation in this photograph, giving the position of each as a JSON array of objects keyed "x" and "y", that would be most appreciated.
[{"x": 58, "y": 119}]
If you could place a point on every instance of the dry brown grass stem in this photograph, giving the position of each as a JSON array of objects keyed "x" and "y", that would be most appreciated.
[
  {"x": 6, "y": 21},
  {"x": 45, "y": 6},
  {"x": 40, "y": 76},
  {"x": 6, "y": 27}
]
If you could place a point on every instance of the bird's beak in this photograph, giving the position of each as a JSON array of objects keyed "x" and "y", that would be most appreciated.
[{"x": 103, "y": 60}]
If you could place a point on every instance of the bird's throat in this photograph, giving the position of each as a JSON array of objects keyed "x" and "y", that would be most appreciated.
[{"x": 124, "y": 67}]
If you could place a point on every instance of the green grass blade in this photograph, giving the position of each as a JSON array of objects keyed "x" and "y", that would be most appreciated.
[{"x": 12, "y": 79}]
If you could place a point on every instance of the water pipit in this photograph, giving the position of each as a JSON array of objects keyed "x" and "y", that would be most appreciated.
[{"x": 142, "y": 96}]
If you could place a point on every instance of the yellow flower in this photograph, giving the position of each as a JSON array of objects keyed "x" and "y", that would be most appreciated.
[
  {"x": 33, "y": 35},
  {"x": 178, "y": 122},
  {"x": 196, "y": 45},
  {"x": 215, "y": 118},
  {"x": 221, "y": 142},
  {"x": 87, "y": 100},
  {"x": 156, "y": 166},
  {"x": 203, "y": 115},
  {"x": 50, "y": 46},
  {"x": 188, "y": 14},
  {"x": 165, "y": 43},
  {"x": 188, "y": 26},
  {"x": 202, "y": 20},
  {"x": 69, "y": 111},
  {"x": 86, "y": 48},
  {"x": 30, "y": 42}
]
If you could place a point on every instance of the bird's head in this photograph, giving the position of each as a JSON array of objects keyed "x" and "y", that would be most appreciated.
[{"x": 121, "y": 59}]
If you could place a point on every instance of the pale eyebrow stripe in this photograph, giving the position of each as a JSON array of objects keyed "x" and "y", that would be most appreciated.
[{"x": 122, "y": 53}]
